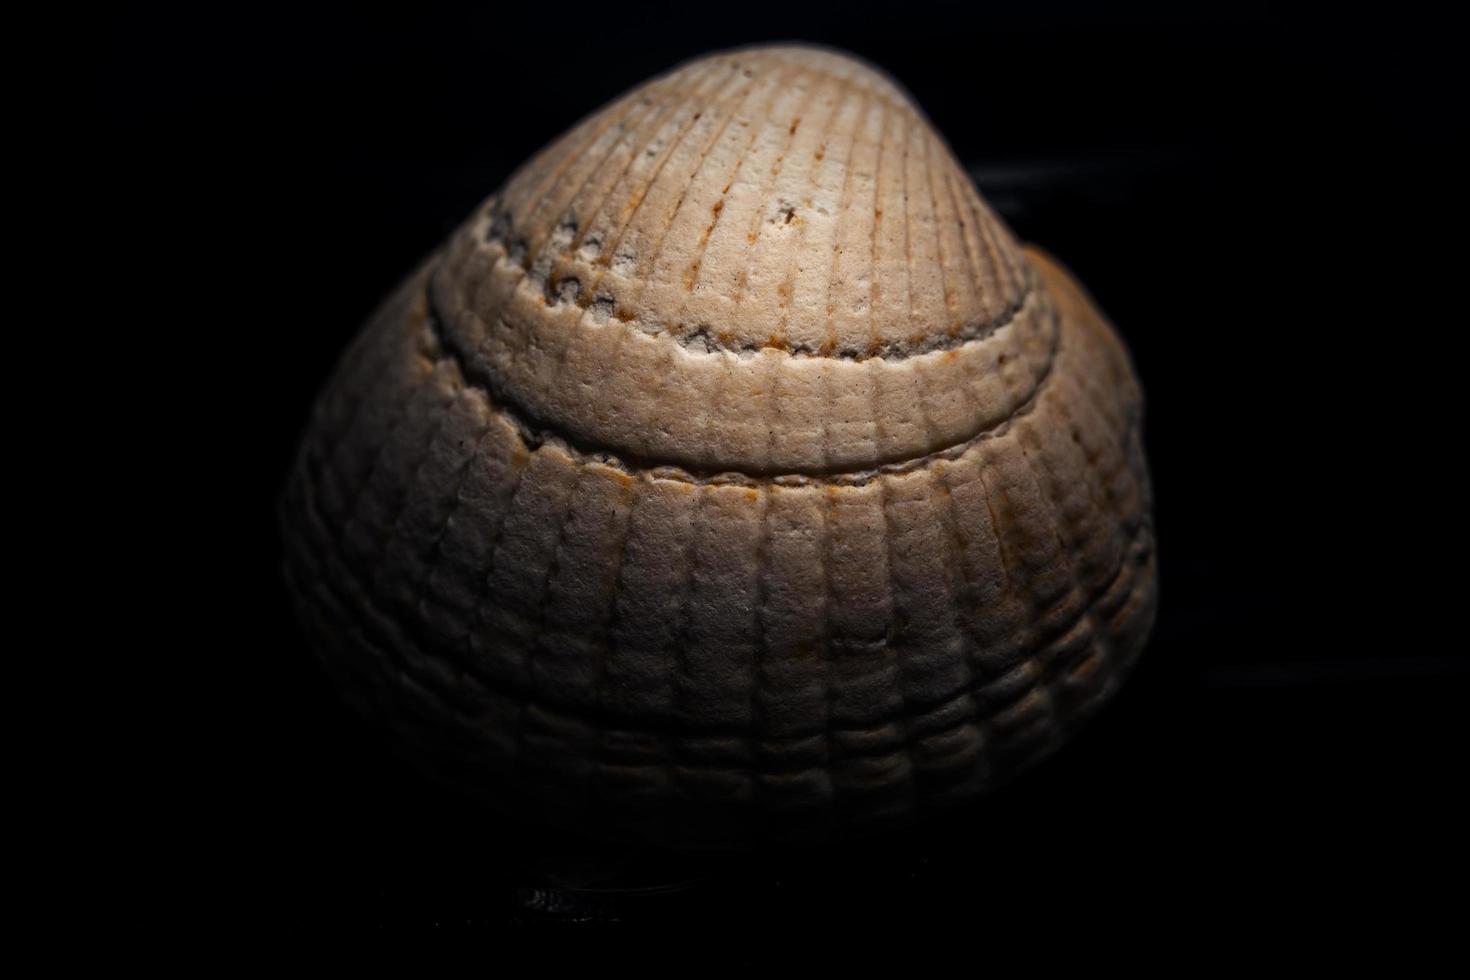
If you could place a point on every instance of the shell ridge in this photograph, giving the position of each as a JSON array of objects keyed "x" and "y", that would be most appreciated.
[
  {"x": 631, "y": 125},
  {"x": 436, "y": 549},
  {"x": 825, "y": 645},
  {"x": 637, "y": 110},
  {"x": 612, "y": 242},
  {"x": 972, "y": 260},
  {"x": 963, "y": 594},
  {"x": 807, "y": 178},
  {"x": 843, "y": 215},
  {"x": 650, "y": 262},
  {"x": 325, "y": 455},
  {"x": 392, "y": 529},
  {"x": 353, "y": 516},
  {"x": 874, "y": 337},
  {"x": 691, "y": 277},
  {"x": 923, "y": 392},
  {"x": 602, "y": 178},
  {"x": 710, "y": 343},
  {"x": 946, "y": 287},
  {"x": 1059, "y": 671},
  {"x": 542, "y": 196},
  {"x": 367, "y": 470},
  {"x": 1128, "y": 564},
  {"x": 768, "y": 183},
  {"x": 609, "y": 630},
  {"x": 678, "y": 645},
  {"x": 987, "y": 239},
  {"x": 908, "y": 250},
  {"x": 541, "y": 634},
  {"x": 955, "y": 270},
  {"x": 1047, "y": 664},
  {"x": 536, "y": 429},
  {"x": 476, "y": 623},
  {"x": 534, "y": 202},
  {"x": 897, "y": 603},
  {"x": 650, "y": 182},
  {"x": 645, "y": 259},
  {"x": 762, "y": 639},
  {"x": 602, "y": 415}
]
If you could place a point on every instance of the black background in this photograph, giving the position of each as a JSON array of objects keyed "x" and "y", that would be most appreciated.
[{"x": 1251, "y": 196}]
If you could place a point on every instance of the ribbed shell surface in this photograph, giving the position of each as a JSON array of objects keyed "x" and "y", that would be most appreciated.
[{"x": 730, "y": 474}]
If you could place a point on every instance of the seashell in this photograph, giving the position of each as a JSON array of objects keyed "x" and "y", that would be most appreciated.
[{"x": 730, "y": 474}]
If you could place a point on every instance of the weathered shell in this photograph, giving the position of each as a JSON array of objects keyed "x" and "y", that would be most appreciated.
[{"x": 731, "y": 473}]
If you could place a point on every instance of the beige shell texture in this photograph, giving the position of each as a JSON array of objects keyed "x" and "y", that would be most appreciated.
[{"x": 730, "y": 474}]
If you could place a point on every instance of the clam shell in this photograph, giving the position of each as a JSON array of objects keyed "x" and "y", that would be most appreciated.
[{"x": 730, "y": 474}]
